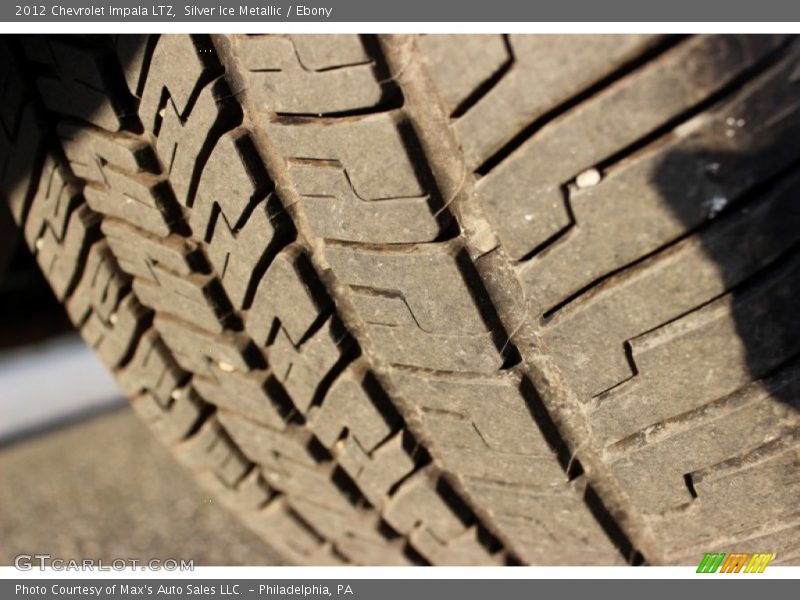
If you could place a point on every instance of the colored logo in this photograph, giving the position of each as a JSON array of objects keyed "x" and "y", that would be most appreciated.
[{"x": 737, "y": 562}]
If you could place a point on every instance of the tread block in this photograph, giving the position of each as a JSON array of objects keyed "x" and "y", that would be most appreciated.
[
  {"x": 151, "y": 370},
  {"x": 243, "y": 393},
  {"x": 484, "y": 431},
  {"x": 502, "y": 425},
  {"x": 196, "y": 349},
  {"x": 286, "y": 461},
  {"x": 80, "y": 84},
  {"x": 349, "y": 543},
  {"x": 290, "y": 535},
  {"x": 415, "y": 348},
  {"x": 543, "y": 535},
  {"x": 367, "y": 191},
  {"x": 353, "y": 532},
  {"x": 182, "y": 138},
  {"x": 709, "y": 353},
  {"x": 92, "y": 151},
  {"x": 318, "y": 52},
  {"x": 413, "y": 276},
  {"x": 232, "y": 181},
  {"x": 542, "y": 540},
  {"x": 361, "y": 552},
  {"x": 273, "y": 450},
  {"x": 142, "y": 200},
  {"x": 301, "y": 368},
  {"x": 444, "y": 332},
  {"x": 417, "y": 503},
  {"x": 250, "y": 494},
  {"x": 349, "y": 408},
  {"x": 113, "y": 340},
  {"x": 132, "y": 52},
  {"x": 465, "y": 549},
  {"x": 123, "y": 172},
  {"x": 740, "y": 494},
  {"x": 210, "y": 448},
  {"x": 336, "y": 212},
  {"x": 194, "y": 298},
  {"x": 672, "y": 186},
  {"x": 163, "y": 81},
  {"x": 585, "y": 333},
  {"x": 523, "y": 195},
  {"x": 144, "y": 255},
  {"x": 100, "y": 288},
  {"x": 377, "y": 165},
  {"x": 316, "y": 74},
  {"x": 481, "y": 465},
  {"x": 300, "y": 481},
  {"x": 460, "y": 64},
  {"x": 231, "y": 214},
  {"x": 655, "y": 461},
  {"x": 51, "y": 207},
  {"x": 61, "y": 259},
  {"x": 166, "y": 275},
  {"x": 418, "y": 510},
  {"x": 171, "y": 421},
  {"x": 546, "y": 72},
  {"x": 303, "y": 343},
  {"x": 298, "y": 306},
  {"x": 377, "y": 471}
]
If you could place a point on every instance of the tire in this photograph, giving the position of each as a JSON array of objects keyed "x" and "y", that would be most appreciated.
[{"x": 437, "y": 300}]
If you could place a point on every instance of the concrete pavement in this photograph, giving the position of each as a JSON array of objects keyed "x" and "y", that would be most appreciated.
[{"x": 105, "y": 488}]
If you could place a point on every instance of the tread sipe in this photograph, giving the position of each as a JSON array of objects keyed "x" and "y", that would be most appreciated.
[{"x": 437, "y": 300}]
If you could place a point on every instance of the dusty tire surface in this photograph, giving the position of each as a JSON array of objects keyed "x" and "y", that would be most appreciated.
[{"x": 437, "y": 299}]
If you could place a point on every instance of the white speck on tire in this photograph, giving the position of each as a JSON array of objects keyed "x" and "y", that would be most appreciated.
[
  {"x": 716, "y": 205},
  {"x": 589, "y": 178}
]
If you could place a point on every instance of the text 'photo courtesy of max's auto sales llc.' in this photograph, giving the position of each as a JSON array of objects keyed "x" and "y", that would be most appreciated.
[{"x": 194, "y": 590}]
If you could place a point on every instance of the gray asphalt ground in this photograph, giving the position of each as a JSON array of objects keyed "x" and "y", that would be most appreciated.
[{"x": 105, "y": 488}]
